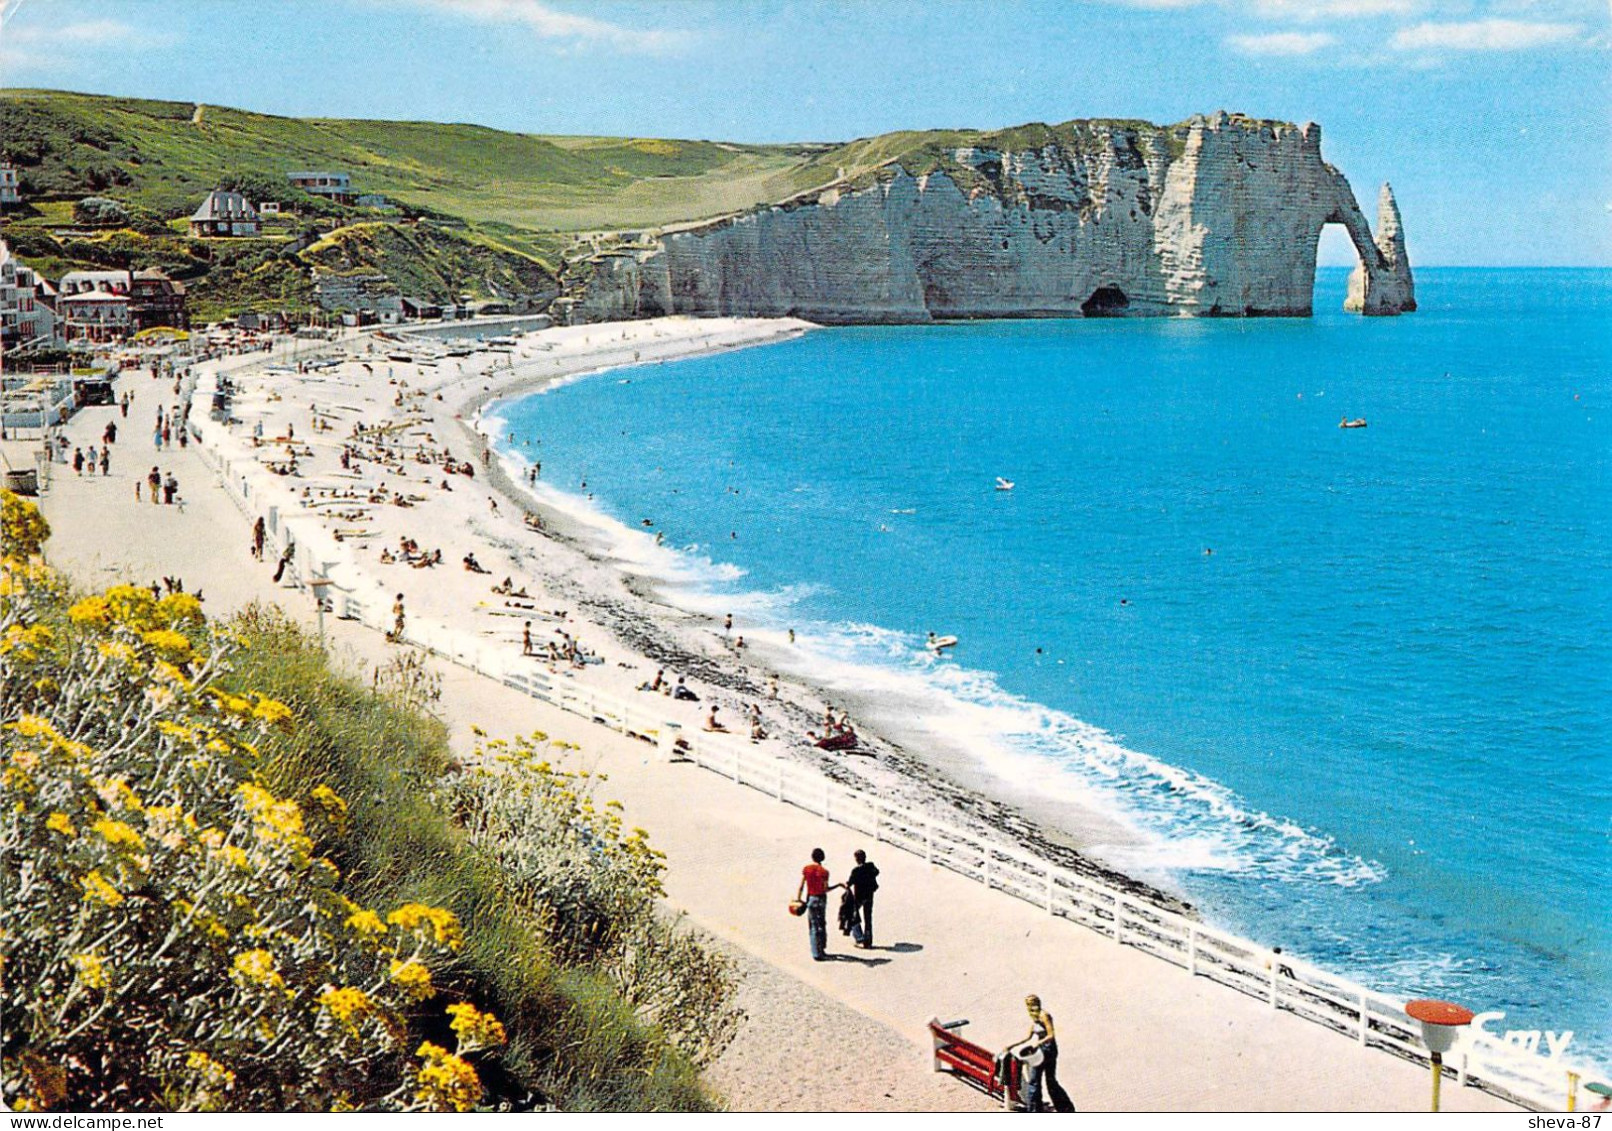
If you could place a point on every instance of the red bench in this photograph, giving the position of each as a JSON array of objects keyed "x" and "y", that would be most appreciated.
[{"x": 975, "y": 1064}]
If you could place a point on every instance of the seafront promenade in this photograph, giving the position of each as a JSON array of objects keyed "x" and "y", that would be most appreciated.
[{"x": 1135, "y": 1033}]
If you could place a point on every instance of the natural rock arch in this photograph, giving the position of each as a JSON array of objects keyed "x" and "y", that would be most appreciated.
[{"x": 1381, "y": 281}]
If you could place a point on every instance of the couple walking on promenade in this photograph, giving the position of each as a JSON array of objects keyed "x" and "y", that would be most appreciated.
[{"x": 856, "y": 908}]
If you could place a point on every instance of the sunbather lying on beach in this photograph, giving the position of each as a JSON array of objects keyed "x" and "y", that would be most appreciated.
[{"x": 473, "y": 565}]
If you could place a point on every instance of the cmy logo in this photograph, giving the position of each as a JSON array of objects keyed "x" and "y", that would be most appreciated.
[{"x": 1527, "y": 1040}]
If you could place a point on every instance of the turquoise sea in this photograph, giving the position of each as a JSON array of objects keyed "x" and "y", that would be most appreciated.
[{"x": 1352, "y": 688}]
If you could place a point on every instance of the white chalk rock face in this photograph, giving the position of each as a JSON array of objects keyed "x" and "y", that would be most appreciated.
[{"x": 1218, "y": 216}]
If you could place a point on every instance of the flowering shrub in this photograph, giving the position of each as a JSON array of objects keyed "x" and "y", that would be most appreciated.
[
  {"x": 593, "y": 887},
  {"x": 172, "y": 935}
]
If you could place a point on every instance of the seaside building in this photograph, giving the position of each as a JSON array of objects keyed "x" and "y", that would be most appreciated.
[
  {"x": 267, "y": 208},
  {"x": 10, "y": 192},
  {"x": 93, "y": 317},
  {"x": 224, "y": 214},
  {"x": 374, "y": 200},
  {"x": 156, "y": 300},
  {"x": 27, "y": 316},
  {"x": 332, "y": 186}
]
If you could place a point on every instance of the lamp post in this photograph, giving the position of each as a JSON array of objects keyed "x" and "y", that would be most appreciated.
[{"x": 1441, "y": 1022}]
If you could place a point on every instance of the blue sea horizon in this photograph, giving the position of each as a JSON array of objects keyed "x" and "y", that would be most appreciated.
[{"x": 1351, "y": 687}]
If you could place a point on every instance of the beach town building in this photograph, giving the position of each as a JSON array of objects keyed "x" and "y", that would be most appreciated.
[
  {"x": 93, "y": 317},
  {"x": 10, "y": 191},
  {"x": 27, "y": 316},
  {"x": 333, "y": 186},
  {"x": 374, "y": 200},
  {"x": 267, "y": 208},
  {"x": 224, "y": 213},
  {"x": 156, "y": 300}
]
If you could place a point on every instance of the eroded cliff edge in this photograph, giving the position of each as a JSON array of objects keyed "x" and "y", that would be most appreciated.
[{"x": 1215, "y": 216}]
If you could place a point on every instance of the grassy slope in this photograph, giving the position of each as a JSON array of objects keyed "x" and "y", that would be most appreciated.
[{"x": 164, "y": 156}]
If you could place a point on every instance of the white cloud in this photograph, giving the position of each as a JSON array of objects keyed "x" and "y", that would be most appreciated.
[
  {"x": 1482, "y": 35},
  {"x": 52, "y": 46},
  {"x": 1312, "y": 10},
  {"x": 548, "y": 22},
  {"x": 1289, "y": 43}
]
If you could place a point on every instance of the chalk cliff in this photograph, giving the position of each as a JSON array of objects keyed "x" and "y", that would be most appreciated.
[{"x": 1218, "y": 215}]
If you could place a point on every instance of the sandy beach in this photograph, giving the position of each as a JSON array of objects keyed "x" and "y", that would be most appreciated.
[{"x": 372, "y": 466}]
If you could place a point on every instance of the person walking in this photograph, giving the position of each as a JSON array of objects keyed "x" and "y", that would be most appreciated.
[
  {"x": 526, "y": 639},
  {"x": 78, "y": 461},
  {"x": 862, "y": 883},
  {"x": 260, "y": 534},
  {"x": 154, "y": 481},
  {"x": 814, "y": 888},
  {"x": 170, "y": 488},
  {"x": 106, "y": 461},
  {"x": 1039, "y": 1051},
  {"x": 397, "y": 619}
]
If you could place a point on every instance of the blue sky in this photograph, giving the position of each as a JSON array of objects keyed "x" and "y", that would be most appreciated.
[{"x": 1490, "y": 117}]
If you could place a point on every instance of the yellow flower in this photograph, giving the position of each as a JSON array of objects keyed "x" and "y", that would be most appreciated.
[
  {"x": 117, "y": 650},
  {"x": 258, "y": 968},
  {"x": 170, "y": 645},
  {"x": 441, "y": 924},
  {"x": 328, "y": 800},
  {"x": 274, "y": 821},
  {"x": 346, "y": 1004},
  {"x": 116, "y": 794},
  {"x": 97, "y": 888},
  {"x": 366, "y": 923},
  {"x": 91, "y": 970},
  {"x": 180, "y": 608},
  {"x": 413, "y": 979},
  {"x": 25, "y": 642},
  {"x": 475, "y": 1029},
  {"x": 213, "y": 1074},
  {"x": 119, "y": 835},
  {"x": 91, "y": 610},
  {"x": 132, "y": 606},
  {"x": 61, "y": 823},
  {"x": 445, "y": 1081},
  {"x": 270, "y": 712}
]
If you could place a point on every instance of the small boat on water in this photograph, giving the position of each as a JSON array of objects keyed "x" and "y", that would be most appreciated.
[
  {"x": 938, "y": 644},
  {"x": 1357, "y": 422},
  {"x": 1003, "y": 484}
]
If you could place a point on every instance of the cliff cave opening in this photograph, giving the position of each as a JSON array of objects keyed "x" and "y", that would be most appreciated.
[{"x": 1105, "y": 302}]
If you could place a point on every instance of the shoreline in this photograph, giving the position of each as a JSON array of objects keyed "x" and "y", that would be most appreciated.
[
  {"x": 950, "y": 779},
  {"x": 622, "y": 613}
]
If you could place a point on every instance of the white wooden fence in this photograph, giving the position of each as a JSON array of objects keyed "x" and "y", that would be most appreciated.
[{"x": 1282, "y": 980}]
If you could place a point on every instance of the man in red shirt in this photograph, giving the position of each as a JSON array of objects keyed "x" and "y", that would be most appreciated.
[{"x": 814, "y": 888}]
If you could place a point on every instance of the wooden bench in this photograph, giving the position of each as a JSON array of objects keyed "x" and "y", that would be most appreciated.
[{"x": 975, "y": 1064}]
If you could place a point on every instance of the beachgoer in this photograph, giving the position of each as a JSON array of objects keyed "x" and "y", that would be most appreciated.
[
  {"x": 727, "y": 624},
  {"x": 814, "y": 888},
  {"x": 110, "y": 435},
  {"x": 106, "y": 461},
  {"x": 286, "y": 555},
  {"x": 397, "y": 619},
  {"x": 861, "y": 884},
  {"x": 711, "y": 722},
  {"x": 154, "y": 481},
  {"x": 526, "y": 639},
  {"x": 791, "y": 636},
  {"x": 260, "y": 534},
  {"x": 683, "y": 692},
  {"x": 78, "y": 461},
  {"x": 170, "y": 487},
  {"x": 1044, "y": 1037}
]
